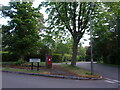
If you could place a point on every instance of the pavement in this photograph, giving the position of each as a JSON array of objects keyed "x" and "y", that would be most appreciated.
[{"x": 14, "y": 80}]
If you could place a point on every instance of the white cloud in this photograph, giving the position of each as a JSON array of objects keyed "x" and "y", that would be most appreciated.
[
  {"x": 85, "y": 40},
  {"x": 4, "y": 2},
  {"x": 3, "y": 21}
]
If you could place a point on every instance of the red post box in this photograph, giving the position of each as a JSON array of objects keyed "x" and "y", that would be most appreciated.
[{"x": 49, "y": 61}]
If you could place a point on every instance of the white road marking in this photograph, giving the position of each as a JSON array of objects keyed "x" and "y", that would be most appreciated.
[
  {"x": 109, "y": 81},
  {"x": 108, "y": 78},
  {"x": 116, "y": 81},
  {"x": 112, "y": 81}
]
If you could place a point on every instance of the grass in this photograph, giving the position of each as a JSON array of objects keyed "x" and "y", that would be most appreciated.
[
  {"x": 3, "y": 52},
  {"x": 27, "y": 63},
  {"x": 24, "y": 70},
  {"x": 79, "y": 71},
  {"x": 8, "y": 63},
  {"x": 74, "y": 70}
]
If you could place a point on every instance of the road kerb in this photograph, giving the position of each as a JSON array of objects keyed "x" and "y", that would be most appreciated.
[{"x": 56, "y": 76}]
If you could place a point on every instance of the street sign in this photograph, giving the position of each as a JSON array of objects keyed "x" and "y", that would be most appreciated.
[{"x": 34, "y": 60}]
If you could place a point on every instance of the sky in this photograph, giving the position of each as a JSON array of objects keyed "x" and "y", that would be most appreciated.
[{"x": 3, "y": 21}]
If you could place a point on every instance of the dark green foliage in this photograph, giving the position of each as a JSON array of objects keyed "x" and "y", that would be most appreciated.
[
  {"x": 56, "y": 58},
  {"x": 114, "y": 57},
  {"x": 19, "y": 62},
  {"x": 81, "y": 53},
  {"x": 105, "y": 36},
  {"x": 68, "y": 56},
  {"x": 8, "y": 57},
  {"x": 21, "y": 35},
  {"x": 62, "y": 48},
  {"x": 44, "y": 50}
]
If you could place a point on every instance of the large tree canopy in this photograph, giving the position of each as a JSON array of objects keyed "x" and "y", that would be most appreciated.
[
  {"x": 72, "y": 17},
  {"x": 21, "y": 34}
]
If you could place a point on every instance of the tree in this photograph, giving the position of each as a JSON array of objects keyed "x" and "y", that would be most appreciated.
[
  {"x": 106, "y": 34},
  {"x": 21, "y": 34},
  {"x": 69, "y": 16},
  {"x": 81, "y": 52}
]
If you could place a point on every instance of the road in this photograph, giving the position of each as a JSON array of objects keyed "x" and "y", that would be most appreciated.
[
  {"x": 12, "y": 80},
  {"x": 106, "y": 71}
]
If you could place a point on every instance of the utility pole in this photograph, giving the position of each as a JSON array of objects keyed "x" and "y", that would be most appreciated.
[
  {"x": 91, "y": 46},
  {"x": 91, "y": 22}
]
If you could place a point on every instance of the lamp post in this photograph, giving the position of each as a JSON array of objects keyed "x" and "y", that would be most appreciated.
[{"x": 91, "y": 22}]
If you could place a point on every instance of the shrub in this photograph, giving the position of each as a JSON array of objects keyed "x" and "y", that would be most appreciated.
[
  {"x": 114, "y": 57},
  {"x": 19, "y": 62},
  {"x": 56, "y": 58},
  {"x": 68, "y": 56},
  {"x": 87, "y": 58},
  {"x": 8, "y": 57},
  {"x": 78, "y": 58}
]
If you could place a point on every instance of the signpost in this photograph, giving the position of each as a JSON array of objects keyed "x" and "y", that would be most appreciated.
[{"x": 34, "y": 60}]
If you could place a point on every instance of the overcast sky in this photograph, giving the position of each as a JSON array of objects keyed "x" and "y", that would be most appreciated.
[{"x": 3, "y": 21}]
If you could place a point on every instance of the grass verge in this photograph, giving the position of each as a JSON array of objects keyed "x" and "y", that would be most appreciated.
[
  {"x": 26, "y": 63},
  {"x": 24, "y": 70},
  {"x": 41, "y": 63},
  {"x": 78, "y": 71},
  {"x": 75, "y": 71}
]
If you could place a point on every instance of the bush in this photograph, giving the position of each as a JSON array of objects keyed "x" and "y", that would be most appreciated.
[
  {"x": 78, "y": 58},
  {"x": 87, "y": 57},
  {"x": 8, "y": 63},
  {"x": 114, "y": 57},
  {"x": 8, "y": 57},
  {"x": 19, "y": 62},
  {"x": 56, "y": 58},
  {"x": 68, "y": 56}
]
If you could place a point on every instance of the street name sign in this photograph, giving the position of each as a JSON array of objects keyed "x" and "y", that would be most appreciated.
[{"x": 34, "y": 60}]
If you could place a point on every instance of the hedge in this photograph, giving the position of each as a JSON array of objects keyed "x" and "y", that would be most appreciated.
[
  {"x": 8, "y": 57},
  {"x": 56, "y": 57}
]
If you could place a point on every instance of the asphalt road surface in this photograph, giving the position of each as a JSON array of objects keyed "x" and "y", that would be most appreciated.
[
  {"x": 107, "y": 72},
  {"x": 12, "y": 80}
]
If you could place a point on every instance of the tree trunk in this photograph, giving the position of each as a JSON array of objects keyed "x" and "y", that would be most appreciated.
[{"x": 74, "y": 53}]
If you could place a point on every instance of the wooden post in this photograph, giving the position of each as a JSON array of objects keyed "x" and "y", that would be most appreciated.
[
  {"x": 31, "y": 65},
  {"x": 37, "y": 66}
]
